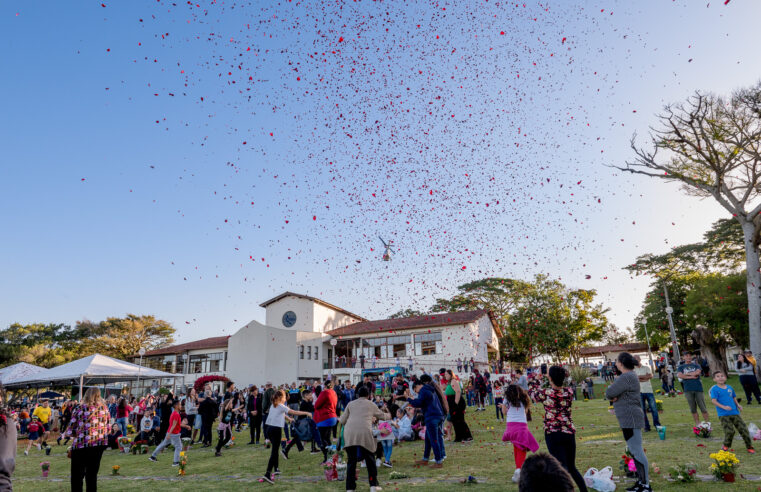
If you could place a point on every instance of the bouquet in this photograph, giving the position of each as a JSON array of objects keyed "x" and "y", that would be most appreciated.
[
  {"x": 183, "y": 464},
  {"x": 186, "y": 443},
  {"x": 703, "y": 430},
  {"x": 659, "y": 405},
  {"x": 724, "y": 466},
  {"x": 627, "y": 465},
  {"x": 395, "y": 475},
  {"x": 230, "y": 443},
  {"x": 115, "y": 469},
  {"x": 124, "y": 444},
  {"x": 683, "y": 473},
  {"x": 45, "y": 468},
  {"x": 130, "y": 429}
]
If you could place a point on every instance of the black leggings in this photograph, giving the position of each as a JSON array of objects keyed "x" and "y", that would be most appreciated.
[
  {"x": 750, "y": 385},
  {"x": 85, "y": 463},
  {"x": 563, "y": 447},
  {"x": 325, "y": 433},
  {"x": 352, "y": 454},
  {"x": 274, "y": 434},
  {"x": 224, "y": 436}
]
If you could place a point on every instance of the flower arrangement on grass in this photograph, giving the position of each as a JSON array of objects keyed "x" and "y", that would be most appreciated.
[
  {"x": 627, "y": 465},
  {"x": 724, "y": 466},
  {"x": 703, "y": 430},
  {"x": 183, "y": 463},
  {"x": 395, "y": 475},
  {"x": 115, "y": 469},
  {"x": 683, "y": 473},
  {"x": 130, "y": 429},
  {"x": 125, "y": 443},
  {"x": 230, "y": 443},
  {"x": 659, "y": 405},
  {"x": 186, "y": 443},
  {"x": 45, "y": 468},
  {"x": 140, "y": 447}
]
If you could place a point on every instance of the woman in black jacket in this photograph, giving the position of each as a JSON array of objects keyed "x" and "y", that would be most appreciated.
[{"x": 254, "y": 413}]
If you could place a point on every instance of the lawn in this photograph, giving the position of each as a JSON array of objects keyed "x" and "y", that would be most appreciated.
[{"x": 599, "y": 440}]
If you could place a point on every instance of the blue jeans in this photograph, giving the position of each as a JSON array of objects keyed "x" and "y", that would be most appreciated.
[
  {"x": 498, "y": 406},
  {"x": 388, "y": 447},
  {"x": 649, "y": 398},
  {"x": 122, "y": 423},
  {"x": 434, "y": 440}
]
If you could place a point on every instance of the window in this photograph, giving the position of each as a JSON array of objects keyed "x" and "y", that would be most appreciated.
[
  {"x": 301, "y": 352},
  {"x": 201, "y": 363},
  {"x": 167, "y": 363},
  {"x": 429, "y": 343},
  {"x": 316, "y": 357},
  {"x": 309, "y": 353}
]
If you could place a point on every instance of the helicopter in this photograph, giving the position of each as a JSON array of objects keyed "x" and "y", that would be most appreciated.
[{"x": 388, "y": 251}]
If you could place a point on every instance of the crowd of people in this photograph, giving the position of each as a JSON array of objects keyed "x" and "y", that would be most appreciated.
[{"x": 365, "y": 421}]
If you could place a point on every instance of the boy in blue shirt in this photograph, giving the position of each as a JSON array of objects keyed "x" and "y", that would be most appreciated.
[{"x": 725, "y": 399}]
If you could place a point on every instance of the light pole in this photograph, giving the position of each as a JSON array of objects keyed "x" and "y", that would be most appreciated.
[
  {"x": 669, "y": 312},
  {"x": 333, "y": 343},
  {"x": 649, "y": 352},
  {"x": 139, "y": 367}
]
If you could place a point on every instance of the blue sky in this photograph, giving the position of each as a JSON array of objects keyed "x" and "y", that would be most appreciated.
[{"x": 126, "y": 185}]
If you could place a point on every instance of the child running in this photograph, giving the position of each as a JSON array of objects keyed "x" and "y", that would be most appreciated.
[
  {"x": 34, "y": 433},
  {"x": 725, "y": 400},
  {"x": 275, "y": 423},
  {"x": 516, "y": 429}
]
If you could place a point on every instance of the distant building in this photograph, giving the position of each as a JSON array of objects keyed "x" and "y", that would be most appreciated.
[{"x": 305, "y": 337}]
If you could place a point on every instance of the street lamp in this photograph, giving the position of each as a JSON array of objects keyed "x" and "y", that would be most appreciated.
[
  {"x": 649, "y": 352},
  {"x": 139, "y": 367},
  {"x": 333, "y": 343},
  {"x": 669, "y": 312}
]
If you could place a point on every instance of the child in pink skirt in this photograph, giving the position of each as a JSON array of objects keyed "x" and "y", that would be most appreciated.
[{"x": 516, "y": 431}]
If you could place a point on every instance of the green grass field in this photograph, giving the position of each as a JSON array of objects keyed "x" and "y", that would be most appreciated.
[{"x": 599, "y": 440}]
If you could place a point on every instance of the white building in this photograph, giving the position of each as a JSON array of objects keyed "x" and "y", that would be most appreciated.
[{"x": 304, "y": 338}]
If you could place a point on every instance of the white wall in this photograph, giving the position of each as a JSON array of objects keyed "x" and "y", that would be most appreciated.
[
  {"x": 311, "y": 368},
  {"x": 326, "y": 319},
  {"x": 258, "y": 353},
  {"x": 302, "y": 307}
]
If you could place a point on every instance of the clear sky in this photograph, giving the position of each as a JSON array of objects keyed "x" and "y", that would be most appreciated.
[{"x": 191, "y": 160}]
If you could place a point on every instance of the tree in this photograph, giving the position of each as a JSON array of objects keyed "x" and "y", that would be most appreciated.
[
  {"x": 617, "y": 336},
  {"x": 406, "y": 313},
  {"x": 501, "y": 296},
  {"x": 122, "y": 338},
  {"x": 44, "y": 345},
  {"x": 711, "y": 145}
]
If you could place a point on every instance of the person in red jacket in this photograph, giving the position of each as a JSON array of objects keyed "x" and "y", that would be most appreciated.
[{"x": 325, "y": 415}]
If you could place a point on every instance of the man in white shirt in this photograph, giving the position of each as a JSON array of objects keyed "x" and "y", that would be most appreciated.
[{"x": 645, "y": 374}]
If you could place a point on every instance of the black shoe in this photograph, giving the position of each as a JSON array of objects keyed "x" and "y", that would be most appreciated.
[
  {"x": 276, "y": 472},
  {"x": 283, "y": 453},
  {"x": 218, "y": 453},
  {"x": 647, "y": 429},
  {"x": 250, "y": 442},
  {"x": 152, "y": 458},
  {"x": 268, "y": 479},
  {"x": 645, "y": 488},
  {"x": 637, "y": 487}
]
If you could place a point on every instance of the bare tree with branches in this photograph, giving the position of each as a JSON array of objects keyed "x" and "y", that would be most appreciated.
[{"x": 712, "y": 146}]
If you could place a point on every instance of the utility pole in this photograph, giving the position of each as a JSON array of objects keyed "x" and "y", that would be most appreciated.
[{"x": 669, "y": 311}]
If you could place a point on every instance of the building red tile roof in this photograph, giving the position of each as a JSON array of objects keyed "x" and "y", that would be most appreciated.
[
  {"x": 414, "y": 323},
  {"x": 206, "y": 343},
  {"x": 623, "y": 347},
  {"x": 313, "y": 299}
]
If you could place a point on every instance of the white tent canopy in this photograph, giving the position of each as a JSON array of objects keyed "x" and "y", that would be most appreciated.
[
  {"x": 16, "y": 371},
  {"x": 93, "y": 369}
]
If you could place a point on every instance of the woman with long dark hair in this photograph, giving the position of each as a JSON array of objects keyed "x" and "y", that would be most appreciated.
[
  {"x": 625, "y": 395},
  {"x": 457, "y": 406},
  {"x": 122, "y": 415},
  {"x": 8, "y": 439},
  {"x": 748, "y": 378},
  {"x": 559, "y": 432},
  {"x": 89, "y": 433}
]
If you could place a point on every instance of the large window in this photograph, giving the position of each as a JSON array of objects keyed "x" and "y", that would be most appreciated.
[
  {"x": 208, "y": 362},
  {"x": 387, "y": 347},
  {"x": 427, "y": 343},
  {"x": 309, "y": 352}
]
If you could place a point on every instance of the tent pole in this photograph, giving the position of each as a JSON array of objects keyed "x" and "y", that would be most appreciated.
[{"x": 81, "y": 382}]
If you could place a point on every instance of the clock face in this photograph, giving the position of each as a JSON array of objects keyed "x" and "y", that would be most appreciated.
[{"x": 289, "y": 319}]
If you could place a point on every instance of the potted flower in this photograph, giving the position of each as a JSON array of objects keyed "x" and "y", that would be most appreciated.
[
  {"x": 659, "y": 405},
  {"x": 124, "y": 444},
  {"x": 703, "y": 430},
  {"x": 186, "y": 443},
  {"x": 340, "y": 466},
  {"x": 183, "y": 463},
  {"x": 683, "y": 473},
  {"x": 45, "y": 468},
  {"x": 115, "y": 469},
  {"x": 395, "y": 475},
  {"x": 627, "y": 465},
  {"x": 724, "y": 466}
]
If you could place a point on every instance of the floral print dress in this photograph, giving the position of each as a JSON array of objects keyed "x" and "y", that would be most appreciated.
[
  {"x": 557, "y": 407},
  {"x": 89, "y": 426}
]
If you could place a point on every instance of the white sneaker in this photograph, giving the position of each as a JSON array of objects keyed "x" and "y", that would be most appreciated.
[
  {"x": 375, "y": 489},
  {"x": 516, "y": 475}
]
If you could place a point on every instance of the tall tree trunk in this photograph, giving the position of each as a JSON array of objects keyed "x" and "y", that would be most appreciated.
[{"x": 753, "y": 285}]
